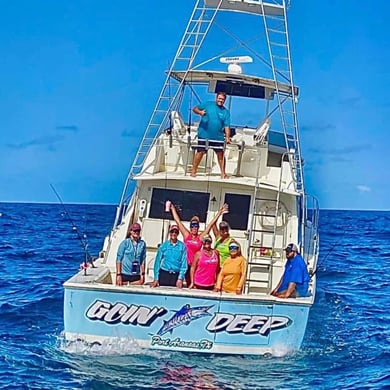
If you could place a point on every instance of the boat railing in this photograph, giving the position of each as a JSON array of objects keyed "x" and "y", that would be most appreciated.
[
  {"x": 310, "y": 236},
  {"x": 173, "y": 153}
]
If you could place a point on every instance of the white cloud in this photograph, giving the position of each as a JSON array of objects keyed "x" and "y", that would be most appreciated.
[{"x": 362, "y": 188}]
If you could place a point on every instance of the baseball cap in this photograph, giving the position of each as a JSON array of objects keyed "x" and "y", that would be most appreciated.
[
  {"x": 291, "y": 248},
  {"x": 173, "y": 227},
  {"x": 135, "y": 226},
  {"x": 195, "y": 218}
]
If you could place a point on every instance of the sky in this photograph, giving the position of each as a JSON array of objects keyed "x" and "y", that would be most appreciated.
[{"x": 78, "y": 81}]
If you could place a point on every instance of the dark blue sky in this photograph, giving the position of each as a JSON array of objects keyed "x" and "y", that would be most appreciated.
[{"x": 79, "y": 80}]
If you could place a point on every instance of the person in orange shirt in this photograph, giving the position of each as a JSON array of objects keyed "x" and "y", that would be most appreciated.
[{"x": 233, "y": 273}]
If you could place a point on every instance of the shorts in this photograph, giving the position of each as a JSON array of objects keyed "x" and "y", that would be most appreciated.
[
  {"x": 130, "y": 278},
  {"x": 167, "y": 278},
  {"x": 217, "y": 146},
  {"x": 204, "y": 287}
]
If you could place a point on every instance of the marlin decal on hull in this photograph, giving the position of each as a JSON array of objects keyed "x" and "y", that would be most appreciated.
[{"x": 184, "y": 317}]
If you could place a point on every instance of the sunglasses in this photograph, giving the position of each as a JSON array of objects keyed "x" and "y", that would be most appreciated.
[
  {"x": 174, "y": 232},
  {"x": 194, "y": 224},
  {"x": 136, "y": 231},
  {"x": 233, "y": 248}
]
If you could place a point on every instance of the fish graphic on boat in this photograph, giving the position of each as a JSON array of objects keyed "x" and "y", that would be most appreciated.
[{"x": 184, "y": 316}]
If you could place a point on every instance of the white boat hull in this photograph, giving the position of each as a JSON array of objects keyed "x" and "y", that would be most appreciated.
[{"x": 183, "y": 320}]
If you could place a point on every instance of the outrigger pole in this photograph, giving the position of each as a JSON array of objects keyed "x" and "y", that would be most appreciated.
[{"x": 84, "y": 243}]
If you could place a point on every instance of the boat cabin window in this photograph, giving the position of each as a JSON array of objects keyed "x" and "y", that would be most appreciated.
[
  {"x": 187, "y": 203},
  {"x": 238, "y": 214}
]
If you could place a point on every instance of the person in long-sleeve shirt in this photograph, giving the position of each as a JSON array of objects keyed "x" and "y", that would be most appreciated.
[
  {"x": 232, "y": 276},
  {"x": 131, "y": 258},
  {"x": 170, "y": 265}
]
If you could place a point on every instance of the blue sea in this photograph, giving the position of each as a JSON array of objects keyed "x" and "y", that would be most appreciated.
[{"x": 346, "y": 346}]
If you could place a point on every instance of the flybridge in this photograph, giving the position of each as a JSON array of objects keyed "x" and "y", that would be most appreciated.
[
  {"x": 235, "y": 84},
  {"x": 249, "y": 6}
]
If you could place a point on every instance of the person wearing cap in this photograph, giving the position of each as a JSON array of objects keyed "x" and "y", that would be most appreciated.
[
  {"x": 295, "y": 279},
  {"x": 223, "y": 240},
  {"x": 170, "y": 265},
  {"x": 205, "y": 267},
  {"x": 192, "y": 237},
  {"x": 130, "y": 259},
  {"x": 232, "y": 276}
]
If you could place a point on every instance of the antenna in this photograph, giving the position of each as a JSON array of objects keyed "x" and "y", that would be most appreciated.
[{"x": 235, "y": 63}]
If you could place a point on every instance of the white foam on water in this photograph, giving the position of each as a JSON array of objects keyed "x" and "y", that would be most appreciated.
[
  {"x": 280, "y": 351},
  {"x": 108, "y": 347}
]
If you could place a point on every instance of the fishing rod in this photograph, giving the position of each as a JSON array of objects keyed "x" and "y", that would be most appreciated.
[
  {"x": 88, "y": 259},
  {"x": 330, "y": 251}
]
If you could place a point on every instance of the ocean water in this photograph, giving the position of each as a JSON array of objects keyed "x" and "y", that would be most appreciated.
[{"x": 346, "y": 346}]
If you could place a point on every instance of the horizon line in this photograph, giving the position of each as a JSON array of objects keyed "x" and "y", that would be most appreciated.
[{"x": 116, "y": 204}]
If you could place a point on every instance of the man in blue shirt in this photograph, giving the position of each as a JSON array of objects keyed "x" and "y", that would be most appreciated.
[
  {"x": 131, "y": 256},
  {"x": 295, "y": 279},
  {"x": 170, "y": 265},
  {"x": 214, "y": 126}
]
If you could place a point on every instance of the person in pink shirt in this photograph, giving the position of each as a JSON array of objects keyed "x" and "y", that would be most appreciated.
[
  {"x": 205, "y": 266},
  {"x": 191, "y": 237}
]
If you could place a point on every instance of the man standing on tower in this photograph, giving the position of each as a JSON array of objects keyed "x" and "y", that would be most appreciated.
[{"x": 214, "y": 126}]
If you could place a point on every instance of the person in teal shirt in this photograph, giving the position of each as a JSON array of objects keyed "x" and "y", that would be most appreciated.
[
  {"x": 131, "y": 257},
  {"x": 214, "y": 126},
  {"x": 170, "y": 265}
]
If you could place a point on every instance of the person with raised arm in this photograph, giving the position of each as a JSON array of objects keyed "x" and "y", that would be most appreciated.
[
  {"x": 192, "y": 238},
  {"x": 222, "y": 240}
]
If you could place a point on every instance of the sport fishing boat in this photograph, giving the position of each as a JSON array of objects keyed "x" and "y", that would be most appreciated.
[{"x": 268, "y": 205}]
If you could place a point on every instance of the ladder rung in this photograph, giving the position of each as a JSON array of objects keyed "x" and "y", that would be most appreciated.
[
  {"x": 261, "y": 263},
  {"x": 195, "y": 33},
  {"x": 263, "y": 231},
  {"x": 276, "y": 31},
  {"x": 279, "y": 18},
  {"x": 256, "y": 246},
  {"x": 264, "y": 215},
  {"x": 266, "y": 199},
  {"x": 278, "y": 44},
  {"x": 265, "y": 281},
  {"x": 280, "y": 58},
  {"x": 200, "y": 21}
]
